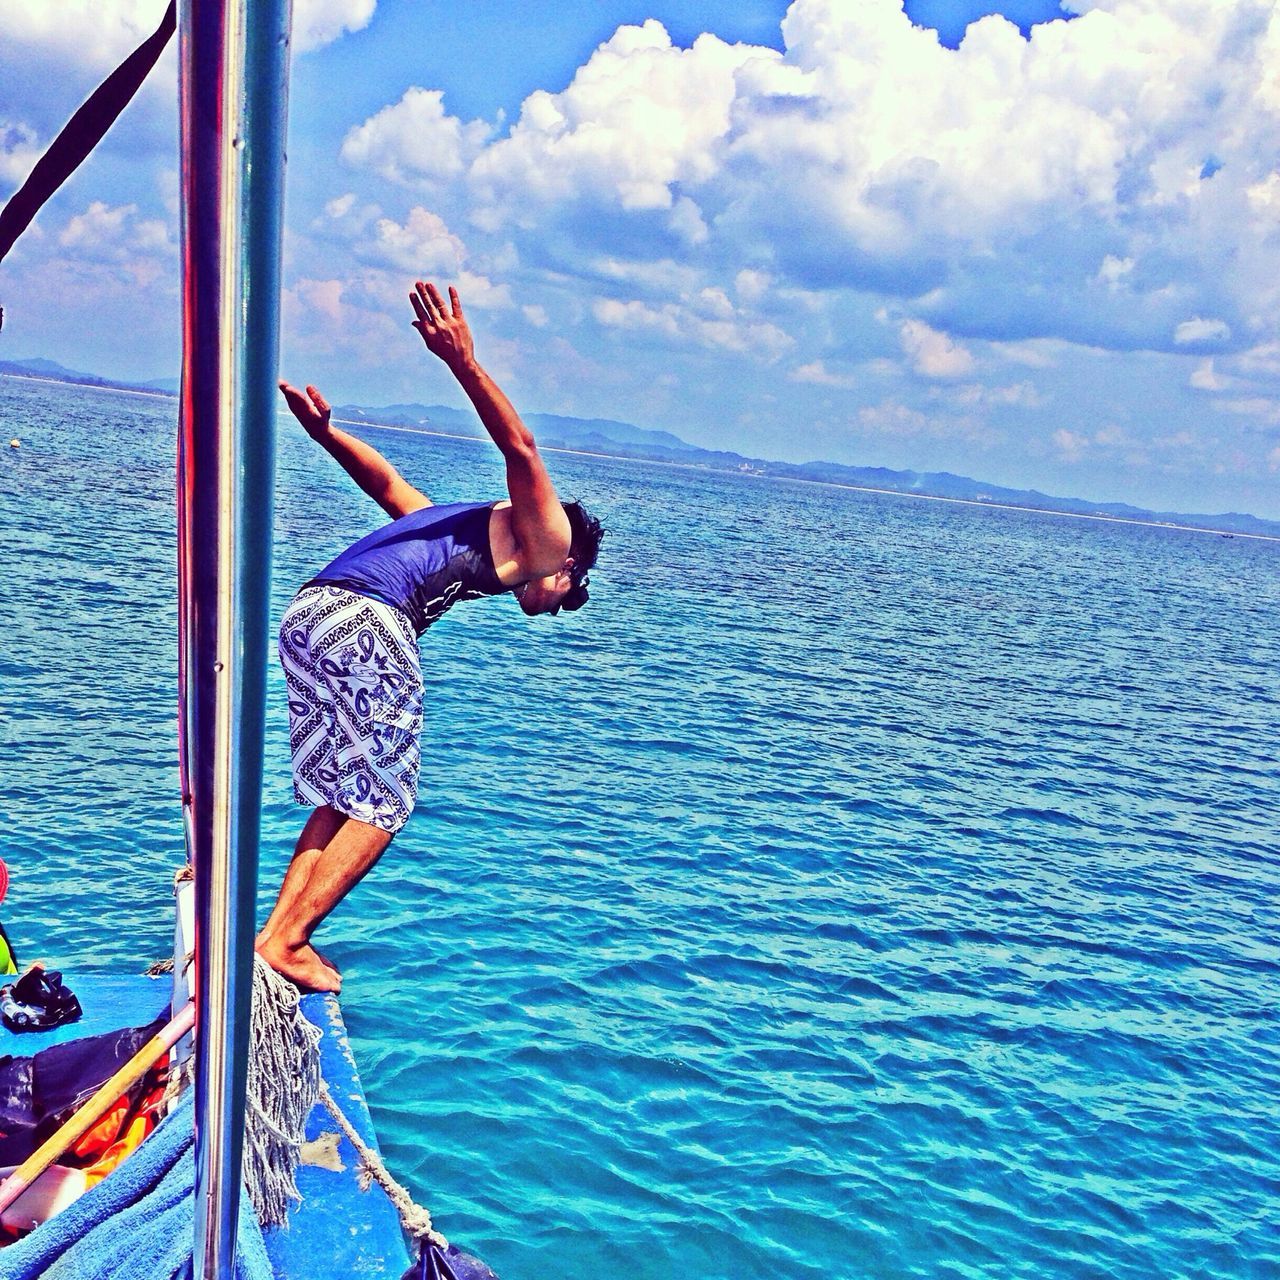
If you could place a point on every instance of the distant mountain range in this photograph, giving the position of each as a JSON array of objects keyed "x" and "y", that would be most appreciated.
[
  {"x": 55, "y": 372},
  {"x": 621, "y": 439}
]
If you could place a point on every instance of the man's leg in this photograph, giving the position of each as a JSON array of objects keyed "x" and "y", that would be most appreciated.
[
  {"x": 321, "y": 827},
  {"x": 285, "y": 944}
]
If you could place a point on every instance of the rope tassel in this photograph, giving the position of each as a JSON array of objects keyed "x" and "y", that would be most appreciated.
[{"x": 284, "y": 1084}]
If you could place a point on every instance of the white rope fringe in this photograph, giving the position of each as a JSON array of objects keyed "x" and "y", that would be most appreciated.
[{"x": 284, "y": 1083}]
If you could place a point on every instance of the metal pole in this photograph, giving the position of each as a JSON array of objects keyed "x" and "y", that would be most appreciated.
[{"x": 234, "y": 63}]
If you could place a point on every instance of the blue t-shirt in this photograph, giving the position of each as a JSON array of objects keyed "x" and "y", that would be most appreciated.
[{"x": 423, "y": 563}]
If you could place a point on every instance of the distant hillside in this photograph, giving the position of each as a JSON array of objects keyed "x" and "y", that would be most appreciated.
[
  {"x": 554, "y": 431},
  {"x": 621, "y": 439},
  {"x": 55, "y": 372}
]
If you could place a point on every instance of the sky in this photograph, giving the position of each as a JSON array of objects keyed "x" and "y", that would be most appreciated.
[{"x": 1033, "y": 243}]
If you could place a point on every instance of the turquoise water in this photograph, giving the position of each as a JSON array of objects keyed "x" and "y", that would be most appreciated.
[{"x": 859, "y": 887}]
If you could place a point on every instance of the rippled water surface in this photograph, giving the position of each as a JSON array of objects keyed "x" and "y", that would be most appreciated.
[{"x": 858, "y": 887}]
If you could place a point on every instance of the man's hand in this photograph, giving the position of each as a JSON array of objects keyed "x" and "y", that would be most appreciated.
[
  {"x": 444, "y": 328},
  {"x": 362, "y": 462},
  {"x": 312, "y": 409},
  {"x": 539, "y": 526}
]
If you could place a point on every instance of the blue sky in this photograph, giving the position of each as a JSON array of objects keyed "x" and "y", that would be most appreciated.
[{"x": 1030, "y": 243}]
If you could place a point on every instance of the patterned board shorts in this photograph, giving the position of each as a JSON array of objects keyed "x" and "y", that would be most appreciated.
[{"x": 355, "y": 704}]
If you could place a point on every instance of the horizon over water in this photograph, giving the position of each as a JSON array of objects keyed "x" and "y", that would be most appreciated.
[
  {"x": 702, "y": 468},
  {"x": 857, "y": 887}
]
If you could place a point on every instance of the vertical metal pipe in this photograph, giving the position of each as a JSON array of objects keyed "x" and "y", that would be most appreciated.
[{"x": 234, "y": 63}]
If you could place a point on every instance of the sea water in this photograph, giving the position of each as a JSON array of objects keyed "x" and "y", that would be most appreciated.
[{"x": 859, "y": 887}]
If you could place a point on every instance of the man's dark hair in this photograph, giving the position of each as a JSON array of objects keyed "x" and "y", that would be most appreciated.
[{"x": 584, "y": 548}]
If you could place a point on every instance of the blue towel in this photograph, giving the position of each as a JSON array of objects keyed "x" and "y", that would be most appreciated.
[{"x": 137, "y": 1224}]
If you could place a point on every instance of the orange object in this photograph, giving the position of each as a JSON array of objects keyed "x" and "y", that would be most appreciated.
[{"x": 121, "y": 1130}]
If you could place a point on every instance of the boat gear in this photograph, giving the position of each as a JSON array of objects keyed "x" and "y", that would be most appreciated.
[
  {"x": 38, "y": 1092},
  {"x": 447, "y": 1264},
  {"x": 38, "y": 1001},
  {"x": 138, "y": 1224}
]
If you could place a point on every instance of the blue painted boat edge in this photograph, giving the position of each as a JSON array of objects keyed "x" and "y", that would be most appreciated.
[{"x": 338, "y": 1229}]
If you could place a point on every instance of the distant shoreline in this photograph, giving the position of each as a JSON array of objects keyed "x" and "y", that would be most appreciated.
[
  {"x": 827, "y": 484},
  {"x": 91, "y": 386},
  {"x": 693, "y": 466}
]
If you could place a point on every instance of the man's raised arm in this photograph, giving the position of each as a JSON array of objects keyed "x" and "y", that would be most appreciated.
[
  {"x": 362, "y": 462},
  {"x": 538, "y": 521}
]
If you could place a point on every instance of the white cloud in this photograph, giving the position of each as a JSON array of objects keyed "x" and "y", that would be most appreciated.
[
  {"x": 1198, "y": 330},
  {"x": 98, "y": 34},
  {"x": 932, "y": 354},
  {"x": 715, "y": 304},
  {"x": 1020, "y": 395},
  {"x": 320, "y": 22},
  {"x": 354, "y": 318},
  {"x": 616, "y": 314},
  {"x": 1204, "y": 377},
  {"x": 19, "y": 150},
  {"x": 662, "y": 275},
  {"x": 1033, "y": 353},
  {"x": 414, "y": 141},
  {"x": 322, "y": 296},
  {"x": 1071, "y": 445},
  {"x": 1264, "y": 197},
  {"x": 817, "y": 372},
  {"x": 892, "y": 418},
  {"x": 687, "y": 222},
  {"x": 638, "y": 118},
  {"x": 707, "y": 318},
  {"x": 1261, "y": 360},
  {"x": 1254, "y": 407},
  {"x": 1273, "y": 459},
  {"x": 1051, "y": 187},
  {"x": 95, "y": 33},
  {"x": 66, "y": 49},
  {"x": 1114, "y": 269},
  {"x": 423, "y": 246},
  {"x": 106, "y": 233},
  {"x": 751, "y": 286},
  {"x": 1112, "y": 436},
  {"x": 1175, "y": 442},
  {"x": 479, "y": 293}
]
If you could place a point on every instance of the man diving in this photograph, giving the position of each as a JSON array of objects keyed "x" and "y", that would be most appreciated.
[{"x": 349, "y": 646}]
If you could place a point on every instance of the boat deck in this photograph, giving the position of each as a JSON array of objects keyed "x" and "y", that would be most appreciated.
[{"x": 338, "y": 1230}]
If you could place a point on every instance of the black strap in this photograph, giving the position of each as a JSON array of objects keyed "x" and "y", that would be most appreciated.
[{"x": 82, "y": 133}]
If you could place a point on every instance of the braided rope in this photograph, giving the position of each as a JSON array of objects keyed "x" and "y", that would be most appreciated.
[{"x": 415, "y": 1220}]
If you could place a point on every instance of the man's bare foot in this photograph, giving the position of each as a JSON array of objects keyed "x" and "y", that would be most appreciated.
[
  {"x": 264, "y": 938},
  {"x": 301, "y": 965}
]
